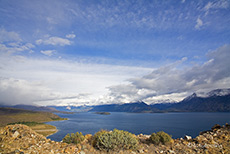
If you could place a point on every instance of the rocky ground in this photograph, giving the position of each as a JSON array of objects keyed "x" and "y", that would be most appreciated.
[{"x": 21, "y": 139}]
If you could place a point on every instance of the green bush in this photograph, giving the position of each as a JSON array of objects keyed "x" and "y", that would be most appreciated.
[
  {"x": 154, "y": 138},
  {"x": 115, "y": 140},
  {"x": 74, "y": 138},
  {"x": 160, "y": 137},
  {"x": 164, "y": 137}
]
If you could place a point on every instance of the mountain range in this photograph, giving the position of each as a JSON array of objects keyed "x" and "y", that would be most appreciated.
[
  {"x": 217, "y": 100},
  {"x": 214, "y": 101}
]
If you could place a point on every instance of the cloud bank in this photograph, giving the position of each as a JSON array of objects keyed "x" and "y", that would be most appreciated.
[
  {"x": 59, "y": 82},
  {"x": 173, "y": 83},
  {"x": 25, "y": 80}
]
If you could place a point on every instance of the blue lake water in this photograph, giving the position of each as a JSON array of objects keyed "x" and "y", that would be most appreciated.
[{"x": 175, "y": 124}]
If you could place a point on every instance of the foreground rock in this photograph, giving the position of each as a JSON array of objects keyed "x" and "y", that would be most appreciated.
[{"x": 21, "y": 139}]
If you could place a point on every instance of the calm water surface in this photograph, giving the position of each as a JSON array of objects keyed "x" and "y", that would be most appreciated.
[{"x": 175, "y": 124}]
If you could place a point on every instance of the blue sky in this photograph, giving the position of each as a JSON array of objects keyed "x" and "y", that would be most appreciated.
[{"x": 92, "y": 52}]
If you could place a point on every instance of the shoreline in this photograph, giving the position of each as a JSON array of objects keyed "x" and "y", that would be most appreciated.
[
  {"x": 44, "y": 129},
  {"x": 56, "y": 130}
]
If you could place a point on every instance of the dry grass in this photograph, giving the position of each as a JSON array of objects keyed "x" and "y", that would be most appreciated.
[
  {"x": 18, "y": 115},
  {"x": 10, "y": 115}
]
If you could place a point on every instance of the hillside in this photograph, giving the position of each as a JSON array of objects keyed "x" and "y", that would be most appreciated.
[
  {"x": 199, "y": 104},
  {"x": 21, "y": 139},
  {"x": 11, "y": 115},
  {"x": 33, "y": 119},
  {"x": 129, "y": 107},
  {"x": 31, "y": 108}
]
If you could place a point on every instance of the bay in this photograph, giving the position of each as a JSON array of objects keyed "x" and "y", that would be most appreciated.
[{"x": 175, "y": 124}]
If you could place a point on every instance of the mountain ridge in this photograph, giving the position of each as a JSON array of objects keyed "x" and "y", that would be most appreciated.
[{"x": 217, "y": 100}]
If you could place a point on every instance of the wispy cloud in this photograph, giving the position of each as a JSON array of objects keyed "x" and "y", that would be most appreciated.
[
  {"x": 54, "y": 41},
  {"x": 70, "y": 36},
  {"x": 11, "y": 42},
  {"x": 220, "y": 4},
  {"x": 48, "y": 52},
  {"x": 199, "y": 23},
  {"x": 215, "y": 5},
  {"x": 9, "y": 36}
]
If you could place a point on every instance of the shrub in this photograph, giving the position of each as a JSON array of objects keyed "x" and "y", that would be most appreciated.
[
  {"x": 74, "y": 138},
  {"x": 164, "y": 137},
  {"x": 154, "y": 138},
  {"x": 26, "y": 123},
  {"x": 115, "y": 140},
  {"x": 160, "y": 137}
]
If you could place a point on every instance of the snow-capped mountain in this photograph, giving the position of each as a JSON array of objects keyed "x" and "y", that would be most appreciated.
[
  {"x": 190, "y": 97},
  {"x": 218, "y": 92}
]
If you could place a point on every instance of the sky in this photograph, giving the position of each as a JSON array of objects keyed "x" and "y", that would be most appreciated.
[{"x": 87, "y": 52}]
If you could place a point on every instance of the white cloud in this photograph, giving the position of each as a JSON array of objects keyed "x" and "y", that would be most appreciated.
[
  {"x": 199, "y": 23},
  {"x": 6, "y": 36},
  {"x": 169, "y": 83},
  {"x": 67, "y": 82},
  {"x": 10, "y": 42},
  {"x": 14, "y": 48},
  {"x": 17, "y": 91},
  {"x": 54, "y": 41},
  {"x": 71, "y": 36},
  {"x": 59, "y": 81},
  {"x": 220, "y": 4},
  {"x": 48, "y": 52}
]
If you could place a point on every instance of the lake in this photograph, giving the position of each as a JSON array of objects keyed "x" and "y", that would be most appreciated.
[{"x": 175, "y": 124}]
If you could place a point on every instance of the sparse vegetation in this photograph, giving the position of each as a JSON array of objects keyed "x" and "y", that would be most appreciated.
[
  {"x": 11, "y": 115},
  {"x": 34, "y": 119},
  {"x": 154, "y": 138},
  {"x": 21, "y": 139},
  {"x": 160, "y": 137},
  {"x": 26, "y": 123},
  {"x": 76, "y": 138},
  {"x": 115, "y": 140}
]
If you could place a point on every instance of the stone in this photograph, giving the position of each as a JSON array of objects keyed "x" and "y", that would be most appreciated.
[
  {"x": 141, "y": 151},
  {"x": 82, "y": 152},
  {"x": 16, "y": 134},
  {"x": 186, "y": 137},
  {"x": 171, "y": 151},
  {"x": 216, "y": 126},
  {"x": 227, "y": 125}
]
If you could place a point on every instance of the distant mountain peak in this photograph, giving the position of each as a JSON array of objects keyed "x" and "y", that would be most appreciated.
[
  {"x": 218, "y": 92},
  {"x": 139, "y": 103},
  {"x": 194, "y": 95}
]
